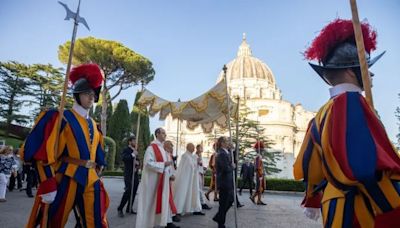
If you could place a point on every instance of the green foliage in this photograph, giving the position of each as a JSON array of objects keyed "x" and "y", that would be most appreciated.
[
  {"x": 249, "y": 132},
  {"x": 285, "y": 185},
  {"x": 122, "y": 67},
  {"x": 110, "y": 148},
  {"x": 144, "y": 137},
  {"x": 120, "y": 128},
  {"x": 13, "y": 83},
  {"x": 272, "y": 184},
  {"x": 16, "y": 143},
  {"x": 46, "y": 87},
  {"x": 113, "y": 173}
]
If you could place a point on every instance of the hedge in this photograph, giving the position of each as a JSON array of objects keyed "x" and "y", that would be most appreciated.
[
  {"x": 113, "y": 173},
  {"x": 272, "y": 184}
]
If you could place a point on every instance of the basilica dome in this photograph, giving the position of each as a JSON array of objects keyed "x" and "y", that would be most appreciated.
[{"x": 246, "y": 66}]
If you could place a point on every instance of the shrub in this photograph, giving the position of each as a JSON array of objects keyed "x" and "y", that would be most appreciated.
[
  {"x": 110, "y": 148},
  {"x": 272, "y": 184}
]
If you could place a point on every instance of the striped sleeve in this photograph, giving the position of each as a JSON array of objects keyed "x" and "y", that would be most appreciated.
[{"x": 308, "y": 167}]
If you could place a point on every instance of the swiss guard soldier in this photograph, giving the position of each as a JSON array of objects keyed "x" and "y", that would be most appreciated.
[
  {"x": 260, "y": 176},
  {"x": 69, "y": 177},
  {"x": 347, "y": 161},
  {"x": 213, "y": 183}
]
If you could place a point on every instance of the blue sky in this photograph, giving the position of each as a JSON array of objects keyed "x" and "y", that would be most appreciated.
[{"x": 189, "y": 41}]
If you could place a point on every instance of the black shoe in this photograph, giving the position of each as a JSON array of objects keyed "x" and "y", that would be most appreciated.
[
  {"x": 215, "y": 219},
  {"x": 216, "y": 199},
  {"x": 30, "y": 195},
  {"x": 131, "y": 212},
  {"x": 220, "y": 225},
  {"x": 176, "y": 218},
  {"x": 261, "y": 203},
  {"x": 252, "y": 199},
  {"x": 198, "y": 213},
  {"x": 205, "y": 207},
  {"x": 171, "y": 225},
  {"x": 240, "y": 205},
  {"x": 208, "y": 196},
  {"x": 120, "y": 214}
]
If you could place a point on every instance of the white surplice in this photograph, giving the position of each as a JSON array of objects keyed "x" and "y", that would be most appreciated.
[
  {"x": 201, "y": 171},
  {"x": 186, "y": 185},
  {"x": 146, "y": 212}
]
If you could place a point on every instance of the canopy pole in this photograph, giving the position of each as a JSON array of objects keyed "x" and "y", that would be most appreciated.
[
  {"x": 228, "y": 100},
  {"x": 177, "y": 138},
  {"x": 137, "y": 149},
  {"x": 237, "y": 138}
]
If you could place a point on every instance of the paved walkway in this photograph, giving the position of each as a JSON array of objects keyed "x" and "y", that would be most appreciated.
[{"x": 282, "y": 211}]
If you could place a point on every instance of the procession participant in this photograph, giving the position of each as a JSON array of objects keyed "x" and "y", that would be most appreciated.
[
  {"x": 130, "y": 157},
  {"x": 224, "y": 167},
  {"x": 169, "y": 148},
  {"x": 213, "y": 184},
  {"x": 201, "y": 169},
  {"x": 156, "y": 203},
  {"x": 186, "y": 186},
  {"x": 260, "y": 177},
  {"x": 347, "y": 161},
  {"x": 69, "y": 177}
]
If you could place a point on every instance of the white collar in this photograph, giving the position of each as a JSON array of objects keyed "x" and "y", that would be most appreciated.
[
  {"x": 81, "y": 111},
  {"x": 342, "y": 88}
]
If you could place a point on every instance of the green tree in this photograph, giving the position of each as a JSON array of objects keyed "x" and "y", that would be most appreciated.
[
  {"x": 120, "y": 128},
  {"x": 249, "y": 132},
  {"x": 46, "y": 84},
  {"x": 13, "y": 83},
  {"x": 110, "y": 149},
  {"x": 122, "y": 67},
  {"x": 144, "y": 137}
]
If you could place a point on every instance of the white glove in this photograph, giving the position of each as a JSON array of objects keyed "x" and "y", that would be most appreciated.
[
  {"x": 48, "y": 197},
  {"x": 312, "y": 213}
]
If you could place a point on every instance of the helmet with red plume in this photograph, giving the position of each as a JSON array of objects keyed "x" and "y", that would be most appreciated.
[
  {"x": 335, "y": 48},
  {"x": 85, "y": 78}
]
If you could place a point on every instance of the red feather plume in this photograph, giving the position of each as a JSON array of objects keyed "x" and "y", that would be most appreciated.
[
  {"x": 335, "y": 33},
  {"x": 90, "y": 71}
]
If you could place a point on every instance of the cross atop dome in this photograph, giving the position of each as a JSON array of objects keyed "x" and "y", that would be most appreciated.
[{"x": 244, "y": 48}]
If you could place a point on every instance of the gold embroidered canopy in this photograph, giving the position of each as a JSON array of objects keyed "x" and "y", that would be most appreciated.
[{"x": 207, "y": 110}]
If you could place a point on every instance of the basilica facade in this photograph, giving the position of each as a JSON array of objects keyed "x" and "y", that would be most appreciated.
[{"x": 254, "y": 82}]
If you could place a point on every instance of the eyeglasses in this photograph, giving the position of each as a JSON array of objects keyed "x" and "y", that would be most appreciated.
[{"x": 89, "y": 93}]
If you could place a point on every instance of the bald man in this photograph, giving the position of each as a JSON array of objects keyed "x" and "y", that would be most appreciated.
[{"x": 186, "y": 186}]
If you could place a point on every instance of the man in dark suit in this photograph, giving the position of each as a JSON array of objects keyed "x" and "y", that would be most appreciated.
[
  {"x": 247, "y": 175},
  {"x": 131, "y": 162},
  {"x": 224, "y": 167}
]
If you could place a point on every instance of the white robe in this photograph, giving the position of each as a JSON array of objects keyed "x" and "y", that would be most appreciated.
[
  {"x": 146, "y": 212},
  {"x": 186, "y": 186},
  {"x": 201, "y": 178}
]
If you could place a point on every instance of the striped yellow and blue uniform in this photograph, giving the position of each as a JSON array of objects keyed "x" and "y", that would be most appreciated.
[
  {"x": 77, "y": 186},
  {"x": 349, "y": 166}
]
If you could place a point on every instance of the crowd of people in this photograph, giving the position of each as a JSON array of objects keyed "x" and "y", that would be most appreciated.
[
  {"x": 12, "y": 170},
  {"x": 166, "y": 193}
]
